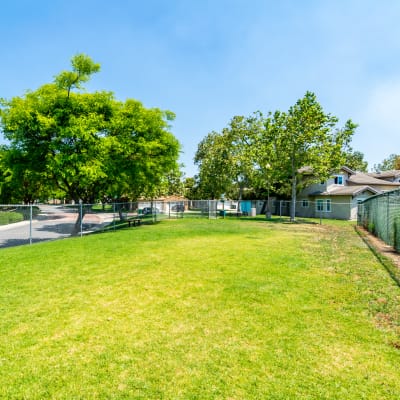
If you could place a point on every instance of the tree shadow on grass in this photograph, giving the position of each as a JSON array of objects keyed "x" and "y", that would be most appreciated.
[
  {"x": 279, "y": 220},
  {"x": 23, "y": 242}
]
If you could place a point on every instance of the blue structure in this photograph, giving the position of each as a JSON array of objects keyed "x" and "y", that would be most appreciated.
[{"x": 245, "y": 206}]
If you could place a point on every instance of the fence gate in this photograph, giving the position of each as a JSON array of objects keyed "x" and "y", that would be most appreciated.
[{"x": 212, "y": 209}]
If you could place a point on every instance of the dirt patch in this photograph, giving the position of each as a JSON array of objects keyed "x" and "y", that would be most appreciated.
[{"x": 380, "y": 246}]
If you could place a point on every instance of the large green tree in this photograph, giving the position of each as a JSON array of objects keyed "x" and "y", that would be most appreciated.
[
  {"x": 268, "y": 176},
  {"x": 87, "y": 146},
  {"x": 268, "y": 152},
  {"x": 143, "y": 150},
  {"x": 228, "y": 160},
  {"x": 307, "y": 136}
]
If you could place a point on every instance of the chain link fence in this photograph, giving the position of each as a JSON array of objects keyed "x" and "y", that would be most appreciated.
[
  {"x": 27, "y": 224},
  {"x": 380, "y": 215}
]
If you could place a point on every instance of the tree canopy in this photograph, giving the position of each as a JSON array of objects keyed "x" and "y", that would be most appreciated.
[
  {"x": 355, "y": 161},
  {"x": 268, "y": 151},
  {"x": 389, "y": 163},
  {"x": 83, "y": 146},
  {"x": 307, "y": 136}
]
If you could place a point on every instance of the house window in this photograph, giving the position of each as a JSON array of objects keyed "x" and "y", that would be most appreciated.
[
  {"x": 323, "y": 205},
  {"x": 339, "y": 180},
  {"x": 328, "y": 205},
  {"x": 304, "y": 203}
]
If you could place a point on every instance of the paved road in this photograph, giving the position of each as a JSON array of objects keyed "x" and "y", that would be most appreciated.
[{"x": 53, "y": 222}]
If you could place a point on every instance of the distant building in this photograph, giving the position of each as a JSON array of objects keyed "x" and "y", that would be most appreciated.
[{"x": 339, "y": 196}]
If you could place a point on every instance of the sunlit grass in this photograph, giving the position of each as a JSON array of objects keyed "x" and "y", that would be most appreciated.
[{"x": 198, "y": 309}]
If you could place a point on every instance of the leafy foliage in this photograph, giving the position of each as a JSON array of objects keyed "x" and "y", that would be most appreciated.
[
  {"x": 267, "y": 152},
  {"x": 213, "y": 157},
  {"x": 86, "y": 146},
  {"x": 392, "y": 162},
  {"x": 307, "y": 136},
  {"x": 355, "y": 161}
]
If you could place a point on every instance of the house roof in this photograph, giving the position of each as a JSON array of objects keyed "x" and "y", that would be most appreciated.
[
  {"x": 364, "y": 179},
  {"x": 347, "y": 191},
  {"x": 171, "y": 198},
  {"x": 394, "y": 173},
  {"x": 307, "y": 170},
  {"x": 350, "y": 171}
]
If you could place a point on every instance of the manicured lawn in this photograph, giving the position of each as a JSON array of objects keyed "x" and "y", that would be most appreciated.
[
  {"x": 9, "y": 217},
  {"x": 199, "y": 309}
]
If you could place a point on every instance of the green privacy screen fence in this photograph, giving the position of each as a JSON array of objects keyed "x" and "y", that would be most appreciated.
[{"x": 380, "y": 215}]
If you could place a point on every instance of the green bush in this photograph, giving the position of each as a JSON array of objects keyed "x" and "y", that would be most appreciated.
[{"x": 371, "y": 227}]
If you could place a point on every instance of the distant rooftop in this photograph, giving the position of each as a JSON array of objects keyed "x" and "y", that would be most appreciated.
[
  {"x": 347, "y": 191},
  {"x": 394, "y": 173},
  {"x": 361, "y": 178}
]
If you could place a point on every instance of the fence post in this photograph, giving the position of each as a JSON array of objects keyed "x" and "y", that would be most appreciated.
[
  {"x": 387, "y": 220},
  {"x": 30, "y": 223},
  {"x": 81, "y": 216},
  {"x": 114, "y": 216}
]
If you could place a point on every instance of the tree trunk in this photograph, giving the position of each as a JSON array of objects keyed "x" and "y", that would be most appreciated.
[
  {"x": 78, "y": 224},
  {"x": 264, "y": 207},
  {"x": 293, "y": 200},
  {"x": 120, "y": 208},
  {"x": 268, "y": 213}
]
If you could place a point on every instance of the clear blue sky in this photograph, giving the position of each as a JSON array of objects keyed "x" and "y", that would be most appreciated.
[{"x": 208, "y": 60}]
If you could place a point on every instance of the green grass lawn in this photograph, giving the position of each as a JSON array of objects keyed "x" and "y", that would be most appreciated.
[
  {"x": 200, "y": 309},
  {"x": 10, "y": 217}
]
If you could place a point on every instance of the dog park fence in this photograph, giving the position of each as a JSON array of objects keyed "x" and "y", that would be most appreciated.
[
  {"x": 380, "y": 215},
  {"x": 27, "y": 224}
]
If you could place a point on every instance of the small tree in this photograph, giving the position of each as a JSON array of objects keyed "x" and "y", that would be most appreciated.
[
  {"x": 226, "y": 160},
  {"x": 214, "y": 160},
  {"x": 355, "y": 161},
  {"x": 392, "y": 162}
]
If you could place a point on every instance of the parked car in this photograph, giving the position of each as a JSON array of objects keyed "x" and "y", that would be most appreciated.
[
  {"x": 150, "y": 210},
  {"x": 178, "y": 208}
]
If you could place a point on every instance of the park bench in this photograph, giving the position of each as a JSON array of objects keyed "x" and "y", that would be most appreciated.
[
  {"x": 135, "y": 221},
  {"x": 232, "y": 212}
]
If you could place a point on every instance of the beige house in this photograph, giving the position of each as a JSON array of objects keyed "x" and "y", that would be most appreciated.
[{"x": 340, "y": 195}]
